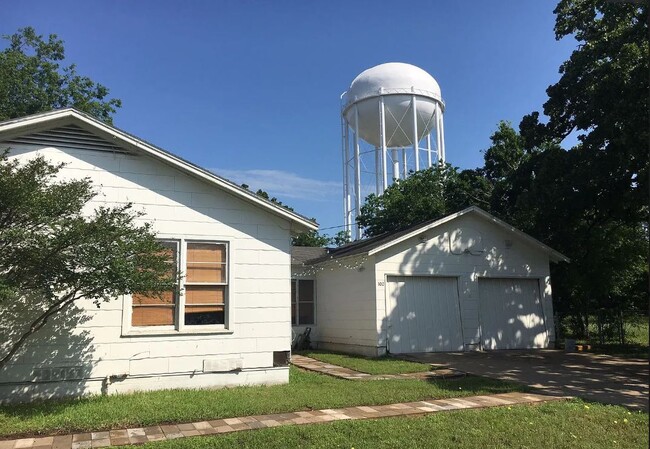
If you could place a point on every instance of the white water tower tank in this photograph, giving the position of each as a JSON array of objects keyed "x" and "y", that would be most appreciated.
[
  {"x": 392, "y": 123},
  {"x": 396, "y": 82}
]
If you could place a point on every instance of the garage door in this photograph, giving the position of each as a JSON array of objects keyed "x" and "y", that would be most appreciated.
[
  {"x": 510, "y": 314},
  {"x": 423, "y": 314}
]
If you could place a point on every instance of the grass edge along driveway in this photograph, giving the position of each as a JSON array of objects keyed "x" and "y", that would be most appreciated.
[{"x": 375, "y": 365}]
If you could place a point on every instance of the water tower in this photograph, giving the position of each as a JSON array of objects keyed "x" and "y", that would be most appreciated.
[{"x": 391, "y": 120}]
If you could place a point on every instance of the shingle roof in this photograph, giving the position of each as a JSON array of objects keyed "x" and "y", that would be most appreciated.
[
  {"x": 364, "y": 245},
  {"x": 303, "y": 254}
]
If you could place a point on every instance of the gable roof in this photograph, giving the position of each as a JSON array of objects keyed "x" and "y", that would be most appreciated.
[
  {"x": 384, "y": 241},
  {"x": 12, "y": 129}
]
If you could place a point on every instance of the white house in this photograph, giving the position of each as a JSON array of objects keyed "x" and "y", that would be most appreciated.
[
  {"x": 467, "y": 281},
  {"x": 230, "y": 323}
]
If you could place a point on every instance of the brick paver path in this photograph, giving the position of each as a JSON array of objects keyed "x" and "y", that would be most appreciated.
[
  {"x": 160, "y": 433},
  {"x": 310, "y": 364}
]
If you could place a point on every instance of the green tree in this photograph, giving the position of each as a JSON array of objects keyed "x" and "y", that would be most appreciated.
[
  {"x": 424, "y": 195},
  {"x": 310, "y": 238},
  {"x": 603, "y": 94},
  {"x": 32, "y": 80},
  {"x": 340, "y": 238},
  {"x": 52, "y": 253},
  {"x": 592, "y": 201},
  {"x": 316, "y": 239}
]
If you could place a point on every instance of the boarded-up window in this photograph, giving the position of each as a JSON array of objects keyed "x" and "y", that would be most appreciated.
[
  {"x": 150, "y": 310},
  {"x": 206, "y": 284},
  {"x": 302, "y": 302}
]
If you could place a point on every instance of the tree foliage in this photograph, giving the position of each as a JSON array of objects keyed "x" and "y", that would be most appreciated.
[
  {"x": 33, "y": 80},
  {"x": 316, "y": 239},
  {"x": 603, "y": 94},
  {"x": 53, "y": 252},
  {"x": 424, "y": 195}
]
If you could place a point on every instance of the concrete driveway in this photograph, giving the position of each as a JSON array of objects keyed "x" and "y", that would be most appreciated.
[{"x": 601, "y": 378}]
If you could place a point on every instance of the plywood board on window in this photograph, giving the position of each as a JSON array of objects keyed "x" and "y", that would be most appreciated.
[
  {"x": 163, "y": 298},
  {"x": 206, "y": 252},
  {"x": 206, "y": 272},
  {"x": 204, "y": 294},
  {"x": 153, "y": 316}
]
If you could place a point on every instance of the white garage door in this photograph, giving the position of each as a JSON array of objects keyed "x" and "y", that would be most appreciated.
[
  {"x": 423, "y": 314},
  {"x": 511, "y": 315}
]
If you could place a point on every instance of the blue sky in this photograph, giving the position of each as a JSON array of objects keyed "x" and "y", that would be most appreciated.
[{"x": 250, "y": 89}]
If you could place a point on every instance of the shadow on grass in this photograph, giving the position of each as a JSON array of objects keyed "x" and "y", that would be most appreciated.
[{"x": 478, "y": 385}]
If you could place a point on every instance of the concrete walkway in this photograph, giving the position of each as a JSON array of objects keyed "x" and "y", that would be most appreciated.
[
  {"x": 595, "y": 377},
  {"x": 141, "y": 435},
  {"x": 310, "y": 364}
]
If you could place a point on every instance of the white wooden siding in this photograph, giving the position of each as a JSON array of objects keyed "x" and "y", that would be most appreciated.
[
  {"x": 345, "y": 309},
  {"x": 179, "y": 206}
]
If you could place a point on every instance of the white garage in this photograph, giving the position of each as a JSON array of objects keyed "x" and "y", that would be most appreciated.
[
  {"x": 511, "y": 314},
  {"x": 424, "y": 314},
  {"x": 465, "y": 282}
]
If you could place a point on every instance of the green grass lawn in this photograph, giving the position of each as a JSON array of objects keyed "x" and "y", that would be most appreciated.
[
  {"x": 377, "y": 365},
  {"x": 552, "y": 425},
  {"x": 305, "y": 391}
]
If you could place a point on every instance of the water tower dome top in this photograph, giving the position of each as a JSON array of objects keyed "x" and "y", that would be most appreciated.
[{"x": 393, "y": 77}]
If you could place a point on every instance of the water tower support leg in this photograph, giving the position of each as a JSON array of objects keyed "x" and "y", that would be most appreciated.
[
  {"x": 384, "y": 150},
  {"x": 357, "y": 173},
  {"x": 442, "y": 140},
  {"x": 377, "y": 171},
  {"x": 429, "y": 150},
  {"x": 405, "y": 168},
  {"x": 416, "y": 142},
  {"x": 395, "y": 158},
  {"x": 346, "y": 177},
  {"x": 438, "y": 133}
]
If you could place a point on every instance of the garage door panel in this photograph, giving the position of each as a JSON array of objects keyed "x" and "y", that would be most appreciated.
[
  {"x": 511, "y": 314},
  {"x": 424, "y": 314}
]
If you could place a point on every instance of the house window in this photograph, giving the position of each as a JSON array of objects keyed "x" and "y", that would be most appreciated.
[
  {"x": 203, "y": 289},
  {"x": 157, "y": 310},
  {"x": 205, "y": 284},
  {"x": 303, "y": 296}
]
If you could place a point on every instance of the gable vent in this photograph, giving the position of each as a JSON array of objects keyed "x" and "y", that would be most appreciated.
[{"x": 68, "y": 137}]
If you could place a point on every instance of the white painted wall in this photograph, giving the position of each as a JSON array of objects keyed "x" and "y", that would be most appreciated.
[
  {"x": 434, "y": 257},
  {"x": 345, "y": 309},
  {"x": 179, "y": 206}
]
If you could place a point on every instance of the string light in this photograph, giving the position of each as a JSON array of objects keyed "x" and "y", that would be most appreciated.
[{"x": 331, "y": 265}]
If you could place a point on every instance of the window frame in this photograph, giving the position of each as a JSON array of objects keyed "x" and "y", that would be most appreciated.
[
  {"x": 176, "y": 291},
  {"x": 179, "y": 326},
  {"x": 297, "y": 302}
]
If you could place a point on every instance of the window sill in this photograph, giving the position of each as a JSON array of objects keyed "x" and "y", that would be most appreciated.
[{"x": 167, "y": 332}]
